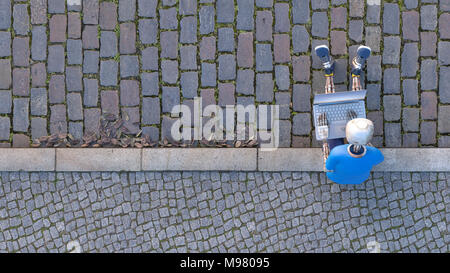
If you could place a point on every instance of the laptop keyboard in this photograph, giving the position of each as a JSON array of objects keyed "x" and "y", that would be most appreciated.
[{"x": 338, "y": 112}]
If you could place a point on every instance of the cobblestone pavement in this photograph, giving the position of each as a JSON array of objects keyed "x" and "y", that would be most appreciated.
[
  {"x": 62, "y": 66},
  {"x": 222, "y": 212}
]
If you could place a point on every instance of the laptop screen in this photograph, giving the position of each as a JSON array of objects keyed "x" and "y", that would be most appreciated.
[{"x": 339, "y": 97}]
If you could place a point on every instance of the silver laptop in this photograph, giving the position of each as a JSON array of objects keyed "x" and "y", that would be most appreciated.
[{"x": 336, "y": 106}]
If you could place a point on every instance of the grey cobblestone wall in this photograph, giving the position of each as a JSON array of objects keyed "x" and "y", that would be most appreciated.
[
  {"x": 140, "y": 57},
  {"x": 222, "y": 212}
]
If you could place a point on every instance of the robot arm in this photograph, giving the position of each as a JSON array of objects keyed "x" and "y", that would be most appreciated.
[{"x": 326, "y": 153}]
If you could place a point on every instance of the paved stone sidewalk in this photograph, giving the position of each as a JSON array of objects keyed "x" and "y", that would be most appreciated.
[
  {"x": 62, "y": 66},
  {"x": 222, "y": 212}
]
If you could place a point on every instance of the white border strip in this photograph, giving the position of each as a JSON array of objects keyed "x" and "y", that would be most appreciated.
[
  {"x": 199, "y": 159},
  {"x": 415, "y": 159},
  {"x": 27, "y": 159},
  {"x": 98, "y": 159},
  {"x": 290, "y": 159},
  {"x": 395, "y": 160},
  {"x": 207, "y": 159}
]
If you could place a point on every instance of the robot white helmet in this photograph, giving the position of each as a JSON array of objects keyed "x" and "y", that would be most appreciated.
[{"x": 359, "y": 131}]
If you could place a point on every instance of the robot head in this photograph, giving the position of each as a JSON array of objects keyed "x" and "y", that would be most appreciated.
[{"x": 359, "y": 131}]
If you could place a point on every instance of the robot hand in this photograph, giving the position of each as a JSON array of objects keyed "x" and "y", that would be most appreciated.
[
  {"x": 322, "y": 127},
  {"x": 351, "y": 114}
]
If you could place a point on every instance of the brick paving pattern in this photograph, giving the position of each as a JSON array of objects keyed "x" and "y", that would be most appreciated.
[
  {"x": 62, "y": 66},
  {"x": 222, "y": 212}
]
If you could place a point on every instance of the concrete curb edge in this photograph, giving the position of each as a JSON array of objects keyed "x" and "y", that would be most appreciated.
[{"x": 207, "y": 159}]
